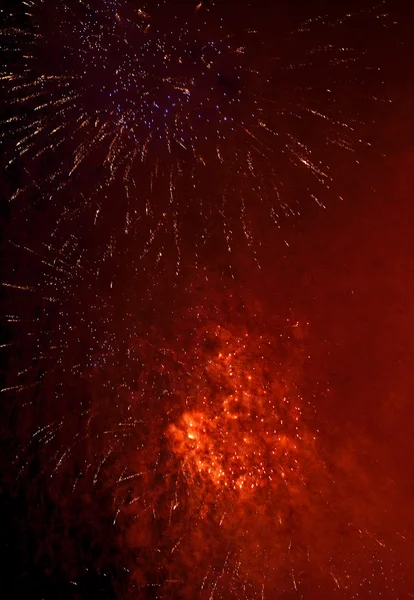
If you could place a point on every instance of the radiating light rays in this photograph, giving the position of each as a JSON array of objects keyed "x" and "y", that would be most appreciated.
[
  {"x": 188, "y": 412},
  {"x": 185, "y": 409},
  {"x": 107, "y": 403},
  {"x": 154, "y": 116}
]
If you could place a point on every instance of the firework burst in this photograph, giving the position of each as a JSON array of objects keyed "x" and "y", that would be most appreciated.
[
  {"x": 177, "y": 407},
  {"x": 178, "y": 117},
  {"x": 189, "y": 418}
]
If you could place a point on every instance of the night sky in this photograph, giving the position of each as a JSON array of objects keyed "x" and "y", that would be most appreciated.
[{"x": 207, "y": 300}]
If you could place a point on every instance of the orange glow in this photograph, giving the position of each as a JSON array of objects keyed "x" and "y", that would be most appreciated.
[{"x": 243, "y": 428}]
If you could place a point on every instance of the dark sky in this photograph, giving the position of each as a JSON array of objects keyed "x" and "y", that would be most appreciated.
[{"x": 125, "y": 355}]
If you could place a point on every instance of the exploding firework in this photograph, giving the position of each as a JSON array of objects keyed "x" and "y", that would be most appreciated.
[
  {"x": 183, "y": 435},
  {"x": 177, "y": 414},
  {"x": 178, "y": 119},
  {"x": 186, "y": 424}
]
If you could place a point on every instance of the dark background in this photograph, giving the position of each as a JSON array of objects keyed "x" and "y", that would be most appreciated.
[{"x": 349, "y": 272}]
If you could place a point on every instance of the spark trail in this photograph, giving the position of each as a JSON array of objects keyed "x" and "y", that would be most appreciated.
[
  {"x": 173, "y": 120},
  {"x": 189, "y": 415}
]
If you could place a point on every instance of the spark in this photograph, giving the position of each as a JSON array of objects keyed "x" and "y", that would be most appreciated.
[{"x": 155, "y": 95}]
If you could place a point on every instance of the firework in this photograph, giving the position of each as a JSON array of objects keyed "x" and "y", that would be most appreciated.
[
  {"x": 184, "y": 425},
  {"x": 178, "y": 119},
  {"x": 161, "y": 414}
]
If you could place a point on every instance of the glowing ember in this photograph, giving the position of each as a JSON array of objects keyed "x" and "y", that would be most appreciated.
[{"x": 243, "y": 431}]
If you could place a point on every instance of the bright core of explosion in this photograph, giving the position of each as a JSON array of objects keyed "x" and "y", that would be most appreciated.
[{"x": 243, "y": 432}]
